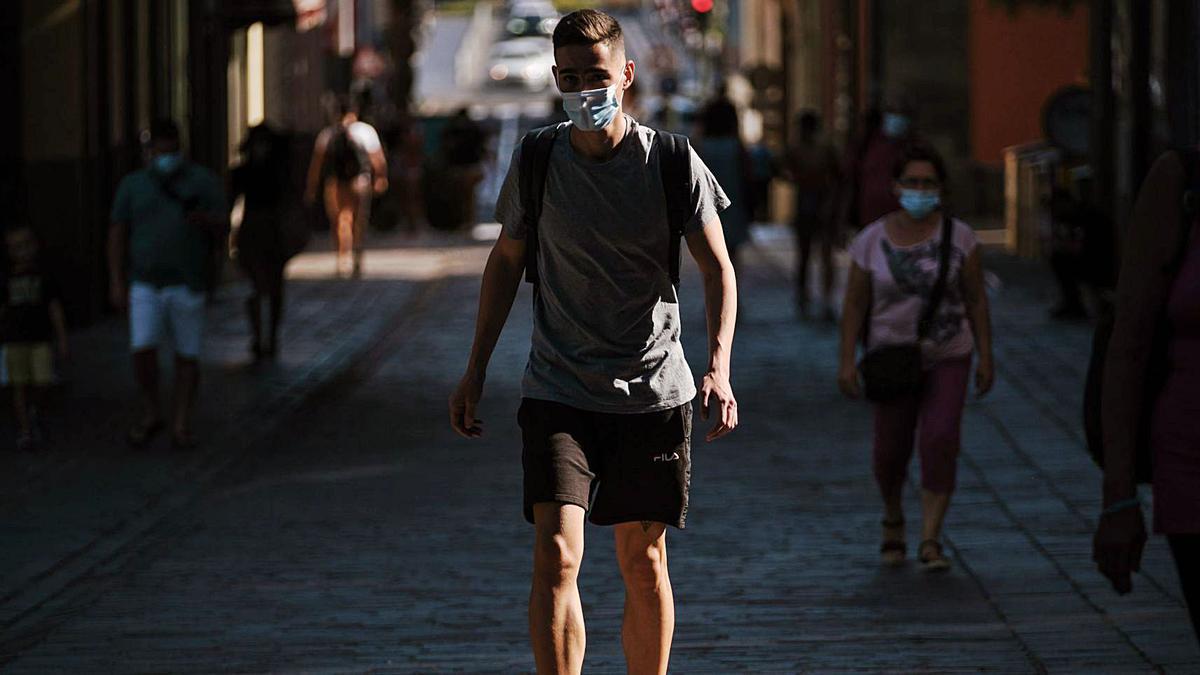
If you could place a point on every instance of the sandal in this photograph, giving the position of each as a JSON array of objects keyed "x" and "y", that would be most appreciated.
[
  {"x": 931, "y": 557},
  {"x": 184, "y": 440},
  {"x": 142, "y": 432},
  {"x": 893, "y": 550}
]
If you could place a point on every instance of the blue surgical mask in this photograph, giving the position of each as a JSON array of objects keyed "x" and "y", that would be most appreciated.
[
  {"x": 592, "y": 110},
  {"x": 919, "y": 203},
  {"x": 895, "y": 125},
  {"x": 167, "y": 163}
]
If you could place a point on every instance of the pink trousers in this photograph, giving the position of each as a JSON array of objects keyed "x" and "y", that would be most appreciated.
[{"x": 931, "y": 421}]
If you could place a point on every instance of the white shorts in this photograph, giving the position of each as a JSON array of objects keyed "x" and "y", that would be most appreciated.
[{"x": 174, "y": 310}]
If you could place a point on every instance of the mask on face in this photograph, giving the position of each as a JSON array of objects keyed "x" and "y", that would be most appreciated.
[
  {"x": 895, "y": 125},
  {"x": 168, "y": 162},
  {"x": 592, "y": 110},
  {"x": 919, "y": 203}
]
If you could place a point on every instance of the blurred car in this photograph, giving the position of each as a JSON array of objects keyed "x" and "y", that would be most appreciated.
[
  {"x": 522, "y": 61},
  {"x": 531, "y": 18}
]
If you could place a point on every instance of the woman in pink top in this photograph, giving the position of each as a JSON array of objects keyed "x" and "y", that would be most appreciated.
[{"x": 892, "y": 276}]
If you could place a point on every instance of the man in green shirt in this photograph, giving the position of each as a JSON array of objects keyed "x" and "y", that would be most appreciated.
[{"x": 167, "y": 220}]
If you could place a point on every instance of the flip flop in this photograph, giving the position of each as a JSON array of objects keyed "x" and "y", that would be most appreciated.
[{"x": 893, "y": 551}]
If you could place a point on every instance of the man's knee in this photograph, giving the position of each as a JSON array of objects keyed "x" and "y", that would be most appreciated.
[
  {"x": 642, "y": 556},
  {"x": 555, "y": 560},
  {"x": 558, "y": 544}
]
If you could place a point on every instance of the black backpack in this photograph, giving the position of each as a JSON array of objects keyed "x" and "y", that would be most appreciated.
[
  {"x": 1156, "y": 370},
  {"x": 674, "y": 166},
  {"x": 345, "y": 157}
]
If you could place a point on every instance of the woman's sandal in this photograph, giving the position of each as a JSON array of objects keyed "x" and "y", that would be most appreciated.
[
  {"x": 142, "y": 432},
  {"x": 893, "y": 549},
  {"x": 931, "y": 557}
]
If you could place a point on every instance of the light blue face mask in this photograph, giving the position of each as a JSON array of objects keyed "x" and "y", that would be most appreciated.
[
  {"x": 592, "y": 110},
  {"x": 895, "y": 125},
  {"x": 919, "y": 203},
  {"x": 167, "y": 163}
]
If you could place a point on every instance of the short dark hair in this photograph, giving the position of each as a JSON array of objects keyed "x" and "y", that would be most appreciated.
[
  {"x": 588, "y": 27},
  {"x": 920, "y": 152}
]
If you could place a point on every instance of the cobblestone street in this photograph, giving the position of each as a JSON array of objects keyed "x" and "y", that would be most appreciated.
[{"x": 334, "y": 522}]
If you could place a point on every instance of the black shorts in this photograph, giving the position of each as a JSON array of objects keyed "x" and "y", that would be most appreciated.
[{"x": 620, "y": 468}]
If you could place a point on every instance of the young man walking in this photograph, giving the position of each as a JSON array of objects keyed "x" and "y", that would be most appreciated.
[
  {"x": 167, "y": 221},
  {"x": 606, "y": 411}
]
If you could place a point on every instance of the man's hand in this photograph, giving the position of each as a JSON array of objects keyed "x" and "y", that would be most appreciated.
[
  {"x": 985, "y": 376},
  {"x": 118, "y": 296},
  {"x": 1117, "y": 547},
  {"x": 462, "y": 406},
  {"x": 848, "y": 381},
  {"x": 381, "y": 185},
  {"x": 716, "y": 385},
  {"x": 64, "y": 349}
]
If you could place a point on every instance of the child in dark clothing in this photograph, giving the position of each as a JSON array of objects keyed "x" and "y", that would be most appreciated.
[{"x": 32, "y": 318}]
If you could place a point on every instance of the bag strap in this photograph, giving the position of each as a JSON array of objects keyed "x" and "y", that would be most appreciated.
[
  {"x": 675, "y": 163},
  {"x": 534, "y": 164},
  {"x": 939, "y": 287}
]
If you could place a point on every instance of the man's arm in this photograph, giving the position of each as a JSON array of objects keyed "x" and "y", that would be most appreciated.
[
  {"x": 58, "y": 321},
  {"x": 118, "y": 241},
  {"x": 707, "y": 246},
  {"x": 501, "y": 278}
]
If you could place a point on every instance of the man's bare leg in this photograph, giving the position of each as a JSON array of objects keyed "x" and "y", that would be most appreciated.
[
  {"x": 187, "y": 377},
  {"x": 649, "y": 622},
  {"x": 145, "y": 371},
  {"x": 555, "y": 611}
]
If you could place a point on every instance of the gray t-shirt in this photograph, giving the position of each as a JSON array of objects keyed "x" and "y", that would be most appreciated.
[{"x": 606, "y": 317}]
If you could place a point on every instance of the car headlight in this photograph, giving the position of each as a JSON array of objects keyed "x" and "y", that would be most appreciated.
[{"x": 499, "y": 72}]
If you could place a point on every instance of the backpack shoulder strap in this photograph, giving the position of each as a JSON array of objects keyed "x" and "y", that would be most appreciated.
[
  {"x": 1189, "y": 203},
  {"x": 675, "y": 163},
  {"x": 534, "y": 163}
]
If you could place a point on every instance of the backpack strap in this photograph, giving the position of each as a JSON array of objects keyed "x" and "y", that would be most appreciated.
[
  {"x": 1189, "y": 206},
  {"x": 534, "y": 164},
  {"x": 675, "y": 164}
]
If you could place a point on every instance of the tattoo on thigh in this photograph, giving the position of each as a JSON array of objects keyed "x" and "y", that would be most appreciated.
[{"x": 646, "y": 525}]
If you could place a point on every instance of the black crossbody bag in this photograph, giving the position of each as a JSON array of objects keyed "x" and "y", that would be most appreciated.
[{"x": 892, "y": 371}]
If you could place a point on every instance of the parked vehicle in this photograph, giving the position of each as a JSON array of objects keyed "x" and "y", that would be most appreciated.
[
  {"x": 523, "y": 61},
  {"x": 531, "y": 18}
]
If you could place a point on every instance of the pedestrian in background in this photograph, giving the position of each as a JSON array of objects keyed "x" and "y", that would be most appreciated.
[
  {"x": 349, "y": 165},
  {"x": 890, "y": 298},
  {"x": 869, "y": 193},
  {"x": 615, "y": 450},
  {"x": 167, "y": 220},
  {"x": 1152, "y": 382},
  {"x": 34, "y": 326},
  {"x": 720, "y": 146},
  {"x": 812, "y": 167},
  {"x": 268, "y": 235}
]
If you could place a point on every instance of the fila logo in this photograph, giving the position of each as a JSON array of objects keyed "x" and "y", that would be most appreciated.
[{"x": 667, "y": 457}]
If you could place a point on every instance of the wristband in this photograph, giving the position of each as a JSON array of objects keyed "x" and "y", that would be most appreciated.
[{"x": 1121, "y": 505}]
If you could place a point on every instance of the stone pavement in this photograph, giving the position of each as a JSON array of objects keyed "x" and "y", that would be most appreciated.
[
  {"x": 84, "y": 500},
  {"x": 360, "y": 535}
]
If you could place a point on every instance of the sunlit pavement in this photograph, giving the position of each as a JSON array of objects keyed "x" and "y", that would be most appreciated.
[{"x": 357, "y": 533}]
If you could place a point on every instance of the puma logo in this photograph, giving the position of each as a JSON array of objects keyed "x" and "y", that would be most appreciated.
[{"x": 667, "y": 457}]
